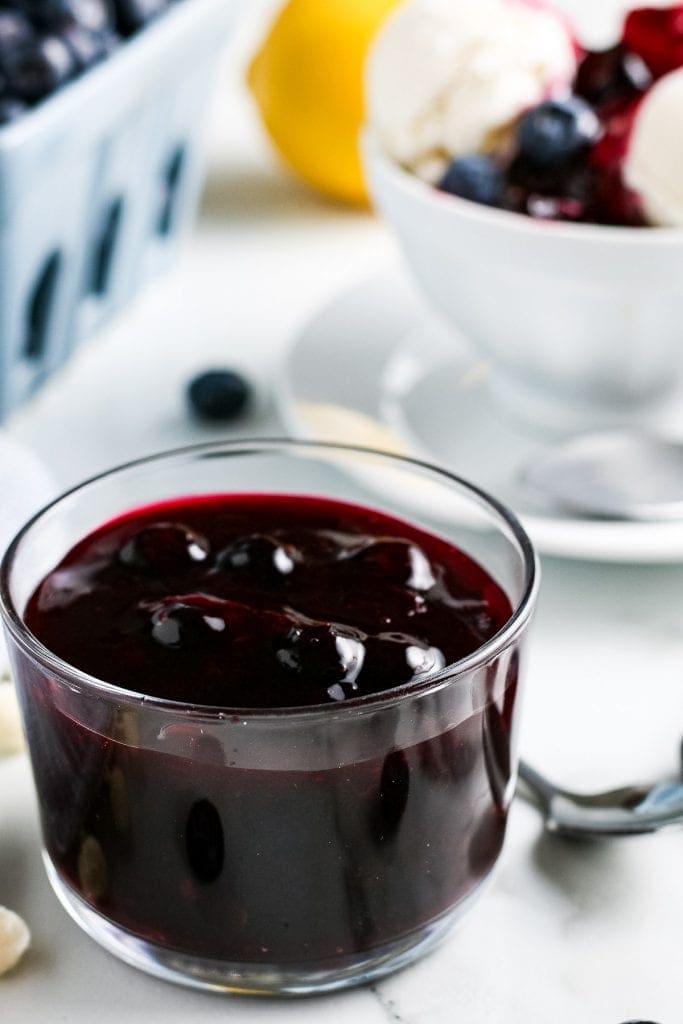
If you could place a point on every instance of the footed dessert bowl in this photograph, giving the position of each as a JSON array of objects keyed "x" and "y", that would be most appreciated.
[
  {"x": 271, "y": 697},
  {"x": 579, "y": 323},
  {"x": 534, "y": 187}
]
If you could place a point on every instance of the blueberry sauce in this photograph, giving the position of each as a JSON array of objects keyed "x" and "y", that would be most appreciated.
[
  {"x": 263, "y": 603},
  {"x": 271, "y": 602}
]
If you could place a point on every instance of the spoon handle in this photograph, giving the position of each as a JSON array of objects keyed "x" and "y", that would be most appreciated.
[
  {"x": 628, "y": 811},
  {"x": 537, "y": 785}
]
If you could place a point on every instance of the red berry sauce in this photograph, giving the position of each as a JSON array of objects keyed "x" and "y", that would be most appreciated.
[{"x": 656, "y": 35}]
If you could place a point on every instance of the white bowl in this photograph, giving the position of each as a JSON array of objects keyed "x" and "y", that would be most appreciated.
[{"x": 581, "y": 324}]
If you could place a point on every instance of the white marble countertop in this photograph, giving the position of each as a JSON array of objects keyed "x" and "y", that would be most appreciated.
[{"x": 567, "y": 932}]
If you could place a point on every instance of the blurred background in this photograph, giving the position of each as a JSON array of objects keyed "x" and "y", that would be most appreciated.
[{"x": 282, "y": 225}]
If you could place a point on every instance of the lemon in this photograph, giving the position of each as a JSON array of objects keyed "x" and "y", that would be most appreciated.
[{"x": 307, "y": 79}]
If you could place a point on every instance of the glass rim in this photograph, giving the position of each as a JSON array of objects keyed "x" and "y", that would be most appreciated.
[{"x": 495, "y": 645}]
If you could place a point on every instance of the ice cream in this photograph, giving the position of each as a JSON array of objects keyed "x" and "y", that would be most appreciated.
[
  {"x": 654, "y": 158},
  {"x": 446, "y": 77}
]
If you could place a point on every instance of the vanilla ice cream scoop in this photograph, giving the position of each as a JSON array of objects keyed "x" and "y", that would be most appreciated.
[
  {"x": 446, "y": 77},
  {"x": 654, "y": 159}
]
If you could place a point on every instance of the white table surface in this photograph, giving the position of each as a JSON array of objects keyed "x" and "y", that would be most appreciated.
[{"x": 568, "y": 932}]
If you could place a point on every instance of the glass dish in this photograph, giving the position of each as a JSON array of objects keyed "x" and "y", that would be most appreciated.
[{"x": 274, "y": 851}]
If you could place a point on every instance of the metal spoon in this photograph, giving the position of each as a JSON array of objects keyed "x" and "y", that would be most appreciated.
[
  {"x": 617, "y": 474},
  {"x": 618, "y": 812}
]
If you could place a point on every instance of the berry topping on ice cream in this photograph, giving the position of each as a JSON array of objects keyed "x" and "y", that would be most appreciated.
[
  {"x": 447, "y": 77},
  {"x": 496, "y": 103}
]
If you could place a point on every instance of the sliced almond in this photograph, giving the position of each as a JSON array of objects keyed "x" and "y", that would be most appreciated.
[
  {"x": 14, "y": 939},
  {"x": 11, "y": 735}
]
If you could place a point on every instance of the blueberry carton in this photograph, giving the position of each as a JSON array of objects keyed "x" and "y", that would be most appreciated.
[{"x": 100, "y": 162}]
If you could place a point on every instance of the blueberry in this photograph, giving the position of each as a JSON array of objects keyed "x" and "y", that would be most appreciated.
[
  {"x": 177, "y": 625},
  {"x": 423, "y": 660},
  {"x": 392, "y": 798},
  {"x": 218, "y": 395},
  {"x": 574, "y": 179},
  {"x": 95, "y": 15},
  {"x": 397, "y": 562},
  {"x": 204, "y": 841},
  {"x": 132, "y": 15},
  {"x": 38, "y": 68},
  {"x": 260, "y": 556},
  {"x": 15, "y": 31},
  {"x": 164, "y": 548},
  {"x": 53, "y": 14},
  {"x": 87, "y": 46},
  {"x": 332, "y": 655},
  {"x": 475, "y": 177},
  {"x": 401, "y": 658},
  {"x": 557, "y": 131},
  {"x": 10, "y": 109}
]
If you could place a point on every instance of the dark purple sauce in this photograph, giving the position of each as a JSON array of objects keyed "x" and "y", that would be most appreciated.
[{"x": 259, "y": 602}]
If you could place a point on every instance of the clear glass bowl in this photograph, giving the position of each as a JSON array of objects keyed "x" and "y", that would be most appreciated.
[{"x": 342, "y": 840}]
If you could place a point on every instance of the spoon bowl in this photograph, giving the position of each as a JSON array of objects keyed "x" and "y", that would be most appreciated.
[
  {"x": 616, "y": 474},
  {"x": 629, "y": 810}
]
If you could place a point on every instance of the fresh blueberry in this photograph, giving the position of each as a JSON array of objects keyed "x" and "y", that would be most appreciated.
[
  {"x": 87, "y": 46},
  {"x": 476, "y": 177},
  {"x": 557, "y": 131},
  {"x": 132, "y": 15},
  {"x": 218, "y": 395},
  {"x": 574, "y": 180},
  {"x": 15, "y": 31},
  {"x": 51, "y": 15},
  {"x": 10, "y": 109},
  {"x": 95, "y": 15},
  {"x": 38, "y": 68}
]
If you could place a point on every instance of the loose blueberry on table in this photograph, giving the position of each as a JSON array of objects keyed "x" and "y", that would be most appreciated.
[
  {"x": 44, "y": 44},
  {"x": 218, "y": 395},
  {"x": 271, "y": 602},
  {"x": 565, "y": 159}
]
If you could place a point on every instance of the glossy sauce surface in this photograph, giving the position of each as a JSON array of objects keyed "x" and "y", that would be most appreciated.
[{"x": 262, "y": 602}]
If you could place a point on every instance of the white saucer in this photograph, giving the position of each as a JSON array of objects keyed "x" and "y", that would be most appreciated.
[{"x": 375, "y": 368}]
